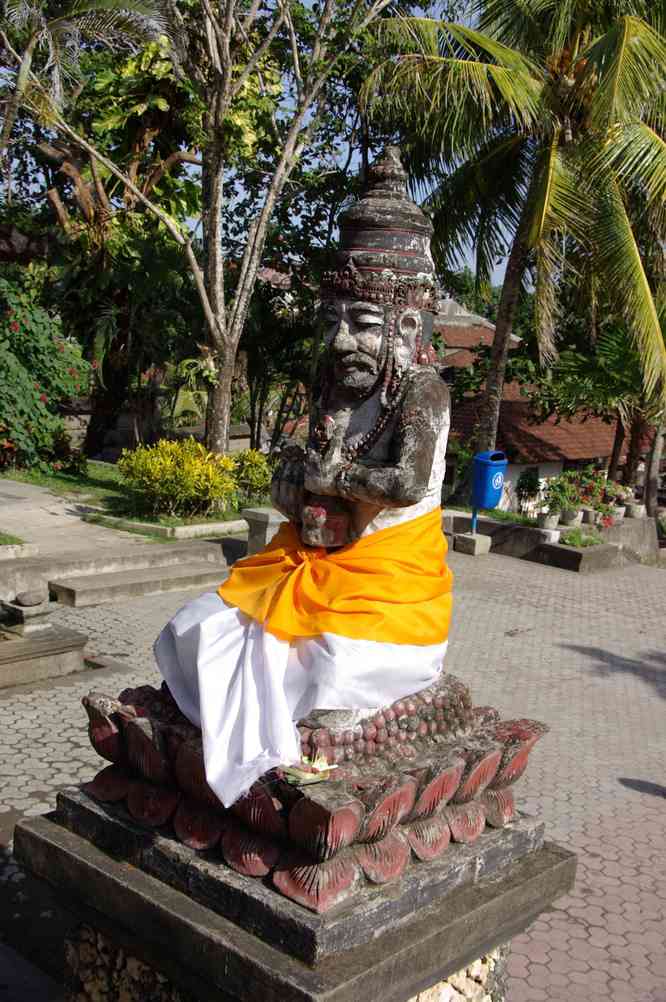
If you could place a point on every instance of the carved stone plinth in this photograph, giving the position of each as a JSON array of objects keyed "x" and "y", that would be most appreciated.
[
  {"x": 398, "y": 787},
  {"x": 199, "y": 955}
]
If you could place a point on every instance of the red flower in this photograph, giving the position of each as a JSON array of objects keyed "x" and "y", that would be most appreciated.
[
  {"x": 44, "y": 399},
  {"x": 14, "y": 327},
  {"x": 95, "y": 364}
]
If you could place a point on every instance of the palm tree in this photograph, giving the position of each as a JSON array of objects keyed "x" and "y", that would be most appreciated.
[
  {"x": 59, "y": 37},
  {"x": 542, "y": 126}
]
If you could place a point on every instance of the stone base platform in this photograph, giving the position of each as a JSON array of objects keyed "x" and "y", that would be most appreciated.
[
  {"x": 255, "y": 905},
  {"x": 54, "y": 652},
  {"x": 199, "y": 955}
]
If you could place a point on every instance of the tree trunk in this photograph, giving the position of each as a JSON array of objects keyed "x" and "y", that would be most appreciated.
[
  {"x": 107, "y": 403},
  {"x": 653, "y": 469},
  {"x": 218, "y": 412},
  {"x": 489, "y": 413},
  {"x": 616, "y": 454},
  {"x": 638, "y": 430},
  {"x": 212, "y": 200}
]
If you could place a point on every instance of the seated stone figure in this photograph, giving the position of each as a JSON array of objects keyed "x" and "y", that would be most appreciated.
[{"x": 348, "y": 607}]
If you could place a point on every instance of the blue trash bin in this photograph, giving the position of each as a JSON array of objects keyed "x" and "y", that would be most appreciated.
[{"x": 488, "y": 478}]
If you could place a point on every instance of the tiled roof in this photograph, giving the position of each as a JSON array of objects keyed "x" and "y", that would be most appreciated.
[{"x": 524, "y": 441}]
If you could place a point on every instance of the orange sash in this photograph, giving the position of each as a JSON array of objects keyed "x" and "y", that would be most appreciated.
[{"x": 393, "y": 586}]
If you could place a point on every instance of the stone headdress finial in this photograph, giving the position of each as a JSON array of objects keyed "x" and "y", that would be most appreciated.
[{"x": 384, "y": 253}]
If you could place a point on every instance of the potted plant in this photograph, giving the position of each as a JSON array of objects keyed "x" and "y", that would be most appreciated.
[
  {"x": 591, "y": 487},
  {"x": 617, "y": 495},
  {"x": 571, "y": 511},
  {"x": 605, "y": 516},
  {"x": 556, "y": 498},
  {"x": 636, "y": 509}
]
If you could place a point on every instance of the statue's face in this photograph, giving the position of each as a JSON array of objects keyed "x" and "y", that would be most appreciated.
[
  {"x": 355, "y": 330},
  {"x": 354, "y": 334}
]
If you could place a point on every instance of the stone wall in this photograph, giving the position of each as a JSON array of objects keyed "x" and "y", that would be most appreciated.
[{"x": 99, "y": 971}]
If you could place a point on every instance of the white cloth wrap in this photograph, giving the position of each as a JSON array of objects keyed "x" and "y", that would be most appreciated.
[{"x": 245, "y": 688}]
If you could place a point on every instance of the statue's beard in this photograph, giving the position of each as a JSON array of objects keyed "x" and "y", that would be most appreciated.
[{"x": 357, "y": 382}]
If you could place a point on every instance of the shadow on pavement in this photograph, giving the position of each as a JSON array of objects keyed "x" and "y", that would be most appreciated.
[
  {"x": 650, "y": 668},
  {"x": 643, "y": 786}
]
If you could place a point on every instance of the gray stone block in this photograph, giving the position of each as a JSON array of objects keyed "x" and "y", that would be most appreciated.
[
  {"x": 473, "y": 543},
  {"x": 263, "y": 523},
  {"x": 49, "y": 653}
]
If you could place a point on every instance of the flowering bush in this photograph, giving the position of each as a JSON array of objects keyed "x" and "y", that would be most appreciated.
[
  {"x": 40, "y": 369},
  {"x": 178, "y": 478},
  {"x": 184, "y": 479}
]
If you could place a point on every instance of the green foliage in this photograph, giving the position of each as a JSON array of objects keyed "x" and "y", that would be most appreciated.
[
  {"x": 561, "y": 494},
  {"x": 6, "y": 539},
  {"x": 581, "y": 537},
  {"x": 40, "y": 369},
  {"x": 178, "y": 478},
  {"x": 528, "y": 484},
  {"x": 541, "y": 128},
  {"x": 252, "y": 474}
]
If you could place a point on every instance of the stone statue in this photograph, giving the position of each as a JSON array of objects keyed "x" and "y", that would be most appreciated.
[
  {"x": 324, "y": 651},
  {"x": 376, "y": 452}
]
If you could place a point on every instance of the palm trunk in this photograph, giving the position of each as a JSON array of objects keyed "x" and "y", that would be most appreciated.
[
  {"x": 653, "y": 469},
  {"x": 489, "y": 413},
  {"x": 14, "y": 101},
  {"x": 618, "y": 442},
  {"x": 638, "y": 429}
]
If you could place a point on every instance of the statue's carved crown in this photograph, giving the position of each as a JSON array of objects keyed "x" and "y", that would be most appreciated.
[
  {"x": 384, "y": 254},
  {"x": 386, "y": 288}
]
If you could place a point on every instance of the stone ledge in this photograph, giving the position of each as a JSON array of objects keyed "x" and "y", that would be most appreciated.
[
  {"x": 217, "y": 961},
  {"x": 53, "y": 652},
  {"x": 584, "y": 560},
  {"x": 276, "y": 919},
  {"x": 18, "y": 551},
  {"x": 508, "y": 539},
  {"x": 198, "y": 530}
]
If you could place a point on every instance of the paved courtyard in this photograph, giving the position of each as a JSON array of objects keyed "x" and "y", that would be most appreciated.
[{"x": 585, "y": 654}]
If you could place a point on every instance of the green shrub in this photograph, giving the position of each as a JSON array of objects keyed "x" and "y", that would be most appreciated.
[
  {"x": 252, "y": 473},
  {"x": 40, "y": 369},
  {"x": 179, "y": 478},
  {"x": 582, "y": 538}
]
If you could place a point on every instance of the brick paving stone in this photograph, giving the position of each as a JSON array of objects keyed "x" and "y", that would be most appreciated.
[{"x": 583, "y": 653}]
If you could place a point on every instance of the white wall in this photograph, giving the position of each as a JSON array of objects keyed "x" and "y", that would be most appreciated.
[{"x": 509, "y": 500}]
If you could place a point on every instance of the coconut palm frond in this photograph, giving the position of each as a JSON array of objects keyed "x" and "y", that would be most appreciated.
[
  {"x": 20, "y": 13},
  {"x": 628, "y": 67},
  {"x": 636, "y": 155},
  {"x": 620, "y": 261},
  {"x": 512, "y": 22},
  {"x": 478, "y": 204},
  {"x": 450, "y": 100},
  {"x": 559, "y": 207}
]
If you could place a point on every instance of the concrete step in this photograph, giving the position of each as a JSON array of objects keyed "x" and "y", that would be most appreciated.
[
  {"x": 33, "y": 572},
  {"x": 93, "y": 590}
]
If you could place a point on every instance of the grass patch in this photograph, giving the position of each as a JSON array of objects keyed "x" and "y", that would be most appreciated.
[
  {"x": 497, "y": 514},
  {"x": 6, "y": 539},
  {"x": 101, "y": 481},
  {"x": 103, "y": 485},
  {"x": 581, "y": 538}
]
